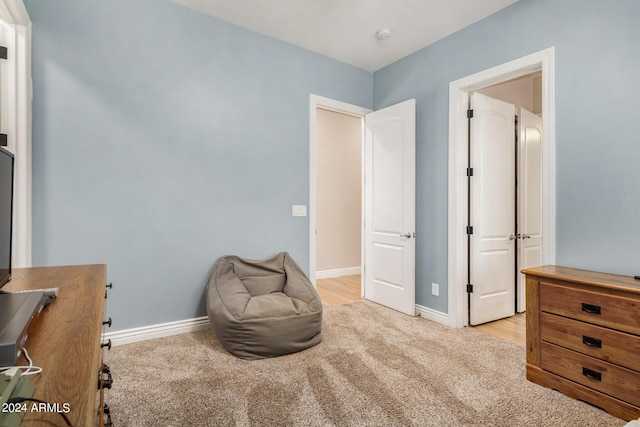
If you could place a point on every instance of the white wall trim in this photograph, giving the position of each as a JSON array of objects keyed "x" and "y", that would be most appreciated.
[
  {"x": 337, "y": 272},
  {"x": 316, "y": 102},
  {"x": 14, "y": 12},
  {"x": 15, "y": 108},
  {"x": 431, "y": 314},
  {"x": 458, "y": 104},
  {"x": 128, "y": 336}
]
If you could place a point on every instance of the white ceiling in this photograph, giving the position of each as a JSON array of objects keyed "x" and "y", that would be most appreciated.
[{"x": 345, "y": 29}]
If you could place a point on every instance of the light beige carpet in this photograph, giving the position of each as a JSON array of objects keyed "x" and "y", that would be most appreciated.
[{"x": 375, "y": 367}]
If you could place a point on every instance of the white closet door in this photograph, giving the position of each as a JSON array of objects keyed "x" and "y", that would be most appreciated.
[
  {"x": 529, "y": 197},
  {"x": 492, "y": 255}
]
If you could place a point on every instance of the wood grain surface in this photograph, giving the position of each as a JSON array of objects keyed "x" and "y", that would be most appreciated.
[
  {"x": 65, "y": 340},
  {"x": 339, "y": 290},
  {"x": 586, "y": 277},
  {"x": 583, "y": 338}
]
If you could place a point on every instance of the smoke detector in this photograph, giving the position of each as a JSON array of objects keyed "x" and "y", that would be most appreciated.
[{"x": 383, "y": 33}]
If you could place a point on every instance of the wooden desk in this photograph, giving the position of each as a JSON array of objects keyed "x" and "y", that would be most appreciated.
[{"x": 65, "y": 340}]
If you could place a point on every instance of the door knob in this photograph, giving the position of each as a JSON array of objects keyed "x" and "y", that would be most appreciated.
[
  {"x": 512, "y": 237},
  {"x": 526, "y": 236},
  {"x": 407, "y": 235}
]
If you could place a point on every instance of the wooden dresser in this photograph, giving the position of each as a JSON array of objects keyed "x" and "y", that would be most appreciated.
[
  {"x": 65, "y": 341},
  {"x": 583, "y": 336}
]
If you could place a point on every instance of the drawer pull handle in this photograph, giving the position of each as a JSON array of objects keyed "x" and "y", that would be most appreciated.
[
  {"x": 106, "y": 292},
  {"x": 590, "y": 308},
  {"x": 107, "y": 422},
  {"x": 591, "y": 374},
  {"x": 592, "y": 342},
  {"x": 105, "y": 382}
]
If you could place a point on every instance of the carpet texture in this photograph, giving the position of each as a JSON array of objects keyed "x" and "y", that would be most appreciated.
[{"x": 374, "y": 367}]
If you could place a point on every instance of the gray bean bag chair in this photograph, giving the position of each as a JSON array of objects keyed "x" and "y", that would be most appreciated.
[{"x": 262, "y": 309}]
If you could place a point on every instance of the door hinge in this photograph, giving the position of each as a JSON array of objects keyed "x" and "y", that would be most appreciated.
[
  {"x": 469, "y": 171},
  {"x": 469, "y": 288},
  {"x": 3, "y": 52},
  {"x": 469, "y": 113},
  {"x": 469, "y": 229}
]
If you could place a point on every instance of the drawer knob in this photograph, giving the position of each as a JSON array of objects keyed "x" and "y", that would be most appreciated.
[
  {"x": 107, "y": 322},
  {"x": 590, "y": 308},
  {"x": 106, "y": 291},
  {"x": 107, "y": 422},
  {"x": 106, "y": 344},
  {"x": 591, "y": 374},
  {"x": 105, "y": 382},
  {"x": 592, "y": 342}
]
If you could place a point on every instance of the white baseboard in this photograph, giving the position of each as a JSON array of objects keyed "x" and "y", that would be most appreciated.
[
  {"x": 431, "y": 314},
  {"x": 327, "y": 274},
  {"x": 128, "y": 336}
]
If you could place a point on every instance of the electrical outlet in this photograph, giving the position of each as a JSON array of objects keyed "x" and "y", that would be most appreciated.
[{"x": 435, "y": 289}]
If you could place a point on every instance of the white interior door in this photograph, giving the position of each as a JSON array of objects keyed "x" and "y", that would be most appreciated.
[
  {"x": 390, "y": 207},
  {"x": 529, "y": 197},
  {"x": 492, "y": 255}
]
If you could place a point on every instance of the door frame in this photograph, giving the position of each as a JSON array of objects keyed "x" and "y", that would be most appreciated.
[
  {"x": 457, "y": 206},
  {"x": 16, "y": 111},
  {"x": 316, "y": 102}
]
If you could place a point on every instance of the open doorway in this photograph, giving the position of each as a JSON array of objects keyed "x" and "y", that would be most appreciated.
[
  {"x": 387, "y": 219},
  {"x": 458, "y": 269},
  {"x": 338, "y": 206},
  {"x": 335, "y": 205},
  {"x": 387, "y": 202}
]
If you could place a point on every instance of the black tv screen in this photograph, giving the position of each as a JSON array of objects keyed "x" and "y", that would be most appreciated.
[{"x": 6, "y": 214}]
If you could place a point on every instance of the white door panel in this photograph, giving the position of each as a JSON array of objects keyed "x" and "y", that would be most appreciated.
[
  {"x": 529, "y": 197},
  {"x": 387, "y": 181},
  {"x": 387, "y": 260},
  {"x": 390, "y": 207},
  {"x": 492, "y": 209}
]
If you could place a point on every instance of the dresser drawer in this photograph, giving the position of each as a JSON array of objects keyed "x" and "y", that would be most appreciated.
[
  {"x": 613, "y": 311},
  {"x": 606, "y": 344},
  {"x": 594, "y": 373}
]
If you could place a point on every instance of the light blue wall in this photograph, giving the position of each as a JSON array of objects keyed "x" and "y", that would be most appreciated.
[
  {"x": 598, "y": 148},
  {"x": 163, "y": 139}
]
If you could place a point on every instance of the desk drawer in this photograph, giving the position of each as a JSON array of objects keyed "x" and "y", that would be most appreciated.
[
  {"x": 603, "y": 343},
  {"x": 613, "y": 311},
  {"x": 588, "y": 371}
]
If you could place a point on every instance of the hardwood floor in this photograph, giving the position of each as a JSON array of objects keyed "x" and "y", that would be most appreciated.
[
  {"x": 339, "y": 290},
  {"x": 512, "y": 328}
]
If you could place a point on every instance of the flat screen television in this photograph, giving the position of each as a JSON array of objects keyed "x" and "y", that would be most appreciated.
[{"x": 6, "y": 214}]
